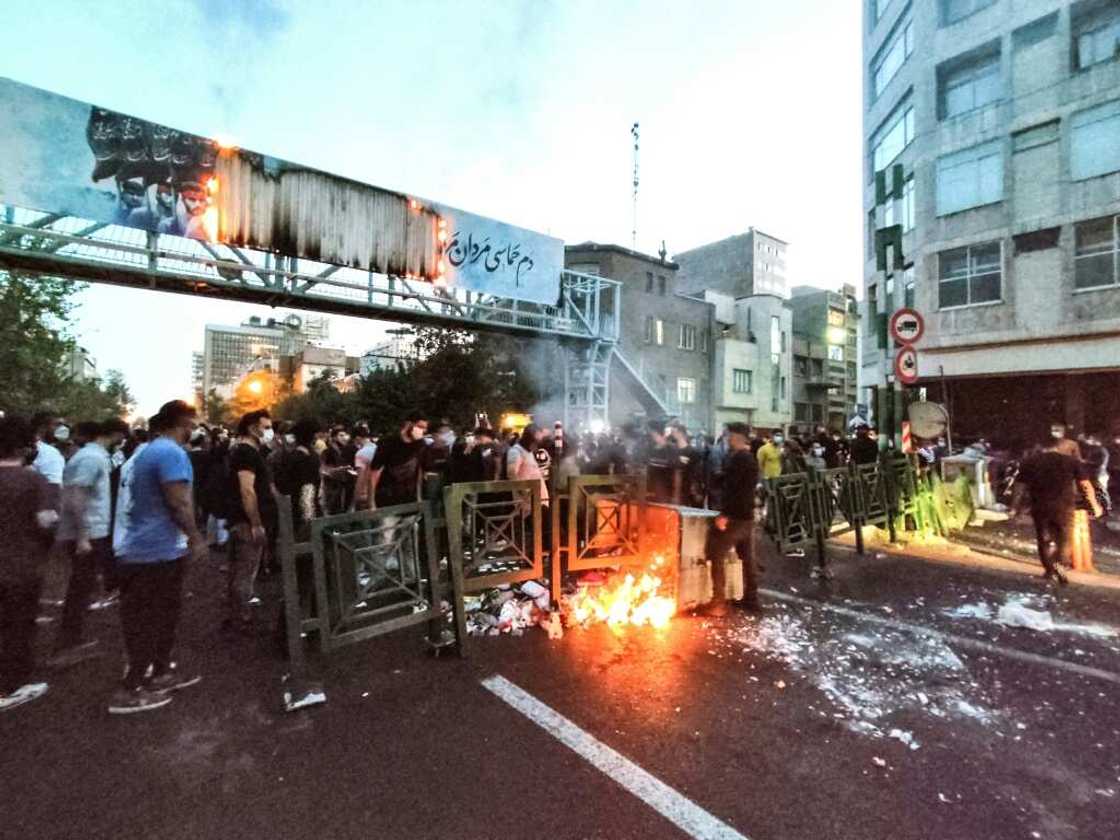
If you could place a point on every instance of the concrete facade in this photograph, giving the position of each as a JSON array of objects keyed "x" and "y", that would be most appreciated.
[
  {"x": 752, "y": 263},
  {"x": 1008, "y": 191},
  {"x": 751, "y": 361},
  {"x": 665, "y": 336},
  {"x": 825, "y": 357}
]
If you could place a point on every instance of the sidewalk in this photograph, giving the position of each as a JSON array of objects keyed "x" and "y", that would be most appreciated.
[{"x": 999, "y": 554}]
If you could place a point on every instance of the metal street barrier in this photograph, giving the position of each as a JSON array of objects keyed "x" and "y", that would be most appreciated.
[
  {"x": 596, "y": 522},
  {"x": 494, "y": 533},
  {"x": 361, "y": 575}
]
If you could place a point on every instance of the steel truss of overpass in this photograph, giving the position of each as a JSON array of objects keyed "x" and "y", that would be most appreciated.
[{"x": 585, "y": 319}]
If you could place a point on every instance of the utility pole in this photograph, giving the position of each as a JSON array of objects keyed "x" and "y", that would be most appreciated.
[{"x": 634, "y": 230}]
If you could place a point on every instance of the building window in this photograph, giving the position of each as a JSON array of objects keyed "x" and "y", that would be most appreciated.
[
  {"x": 655, "y": 331},
  {"x": 1095, "y": 141},
  {"x": 775, "y": 335},
  {"x": 969, "y": 86},
  {"x": 704, "y": 340},
  {"x": 801, "y": 412},
  {"x": 1038, "y": 135},
  {"x": 1096, "y": 256},
  {"x": 801, "y": 366},
  {"x": 892, "y": 137},
  {"x": 818, "y": 412},
  {"x": 970, "y": 275},
  {"x": 908, "y": 209},
  {"x": 649, "y": 282},
  {"x": 686, "y": 391},
  {"x": 871, "y": 233},
  {"x": 1097, "y": 40},
  {"x": 686, "y": 340},
  {"x": 908, "y": 288},
  {"x": 661, "y": 286},
  {"x": 970, "y": 178},
  {"x": 835, "y": 318},
  {"x": 835, "y": 353},
  {"x": 954, "y": 10},
  {"x": 891, "y": 58},
  {"x": 741, "y": 381},
  {"x": 818, "y": 368},
  {"x": 782, "y": 388}
]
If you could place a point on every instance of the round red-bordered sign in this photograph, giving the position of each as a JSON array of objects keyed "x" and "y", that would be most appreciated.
[
  {"x": 907, "y": 326},
  {"x": 906, "y": 365}
]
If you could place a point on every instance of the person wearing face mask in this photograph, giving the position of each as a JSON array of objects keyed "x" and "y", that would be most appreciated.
[
  {"x": 160, "y": 533},
  {"x": 815, "y": 460},
  {"x": 396, "y": 467},
  {"x": 1061, "y": 443},
  {"x": 252, "y": 507},
  {"x": 770, "y": 456}
]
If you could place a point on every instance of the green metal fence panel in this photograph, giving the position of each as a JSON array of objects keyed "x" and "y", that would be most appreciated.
[
  {"x": 376, "y": 572},
  {"x": 604, "y": 521},
  {"x": 494, "y": 532},
  {"x": 791, "y": 510}
]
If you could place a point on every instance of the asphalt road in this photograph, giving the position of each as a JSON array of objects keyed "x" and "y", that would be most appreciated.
[{"x": 807, "y": 722}]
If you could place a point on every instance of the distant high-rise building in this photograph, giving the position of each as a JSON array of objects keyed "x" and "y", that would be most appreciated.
[
  {"x": 752, "y": 263},
  {"x": 398, "y": 348},
  {"x": 80, "y": 365},
  {"x": 229, "y": 352},
  {"x": 991, "y": 195}
]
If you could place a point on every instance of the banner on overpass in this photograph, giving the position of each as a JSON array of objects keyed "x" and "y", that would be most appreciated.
[{"x": 62, "y": 156}]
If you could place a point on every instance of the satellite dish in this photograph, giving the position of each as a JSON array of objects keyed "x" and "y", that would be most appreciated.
[{"x": 928, "y": 419}]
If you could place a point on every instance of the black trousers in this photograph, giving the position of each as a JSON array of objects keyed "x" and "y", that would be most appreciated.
[
  {"x": 19, "y": 604},
  {"x": 740, "y": 534},
  {"x": 1053, "y": 529},
  {"x": 151, "y": 601},
  {"x": 83, "y": 582}
]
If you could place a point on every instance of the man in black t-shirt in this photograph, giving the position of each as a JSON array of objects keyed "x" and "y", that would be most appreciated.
[
  {"x": 660, "y": 458},
  {"x": 298, "y": 477},
  {"x": 252, "y": 512},
  {"x": 1052, "y": 480},
  {"x": 396, "y": 468}
]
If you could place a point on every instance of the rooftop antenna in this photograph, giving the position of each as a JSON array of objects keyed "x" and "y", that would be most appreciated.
[{"x": 634, "y": 231}]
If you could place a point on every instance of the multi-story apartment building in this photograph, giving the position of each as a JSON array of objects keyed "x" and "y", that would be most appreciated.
[
  {"x": 752, "y": 263},
  {"x": 992, "y": 194},
  {"x": 80, "y": 365},
  {"x": 662, "y": 366},
  {"x": 825, "y": 357},
  {"x": 229, "y": 352},
  {"x": 751, "y": 360}
]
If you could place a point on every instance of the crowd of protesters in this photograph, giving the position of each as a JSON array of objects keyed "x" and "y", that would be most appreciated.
[{"x": 125, "y": 509}]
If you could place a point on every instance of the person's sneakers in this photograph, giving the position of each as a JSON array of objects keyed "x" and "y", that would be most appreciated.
[
  {"x": 131, "y": 701},
  {"x": 23, "y": 694},
  {"x": 713, "y": 609},
  {"x": 109, "y": 600},
  {"x": 171, "y": 680},
  {"x": 73, "y": 655}
]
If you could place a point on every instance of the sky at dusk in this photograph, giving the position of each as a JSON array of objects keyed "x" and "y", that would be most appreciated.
[{"x": 516, "y": 110}]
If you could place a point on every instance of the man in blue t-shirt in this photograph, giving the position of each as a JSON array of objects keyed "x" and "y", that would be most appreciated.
[{"x": 160, "y": 533}]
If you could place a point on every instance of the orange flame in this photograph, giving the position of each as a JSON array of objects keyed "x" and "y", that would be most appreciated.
[{"x": 625, "y": 600}]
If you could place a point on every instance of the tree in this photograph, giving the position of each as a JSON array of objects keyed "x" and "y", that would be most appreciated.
[
  {"x": 216, "y": 409},
  {"x": 34, "y": 341}
]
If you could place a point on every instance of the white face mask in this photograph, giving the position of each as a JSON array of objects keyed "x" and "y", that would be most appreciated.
[
  {"x": 290, "y": 440},
  {"x": 817, "y": 450},
  {"x": 62, "y": 433},
  {"x": 778, "y": 440},
  {"x": 447, "y": 438},
  {"x": 267, "y": 435}
]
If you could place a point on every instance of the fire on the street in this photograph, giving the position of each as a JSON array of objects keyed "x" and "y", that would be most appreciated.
[{"x": 625, "y": 599}]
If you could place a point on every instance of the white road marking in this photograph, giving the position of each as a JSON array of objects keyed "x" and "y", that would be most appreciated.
[
  {"x": 674, "y": 806},
  {"x": 962, "y": 641}
]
